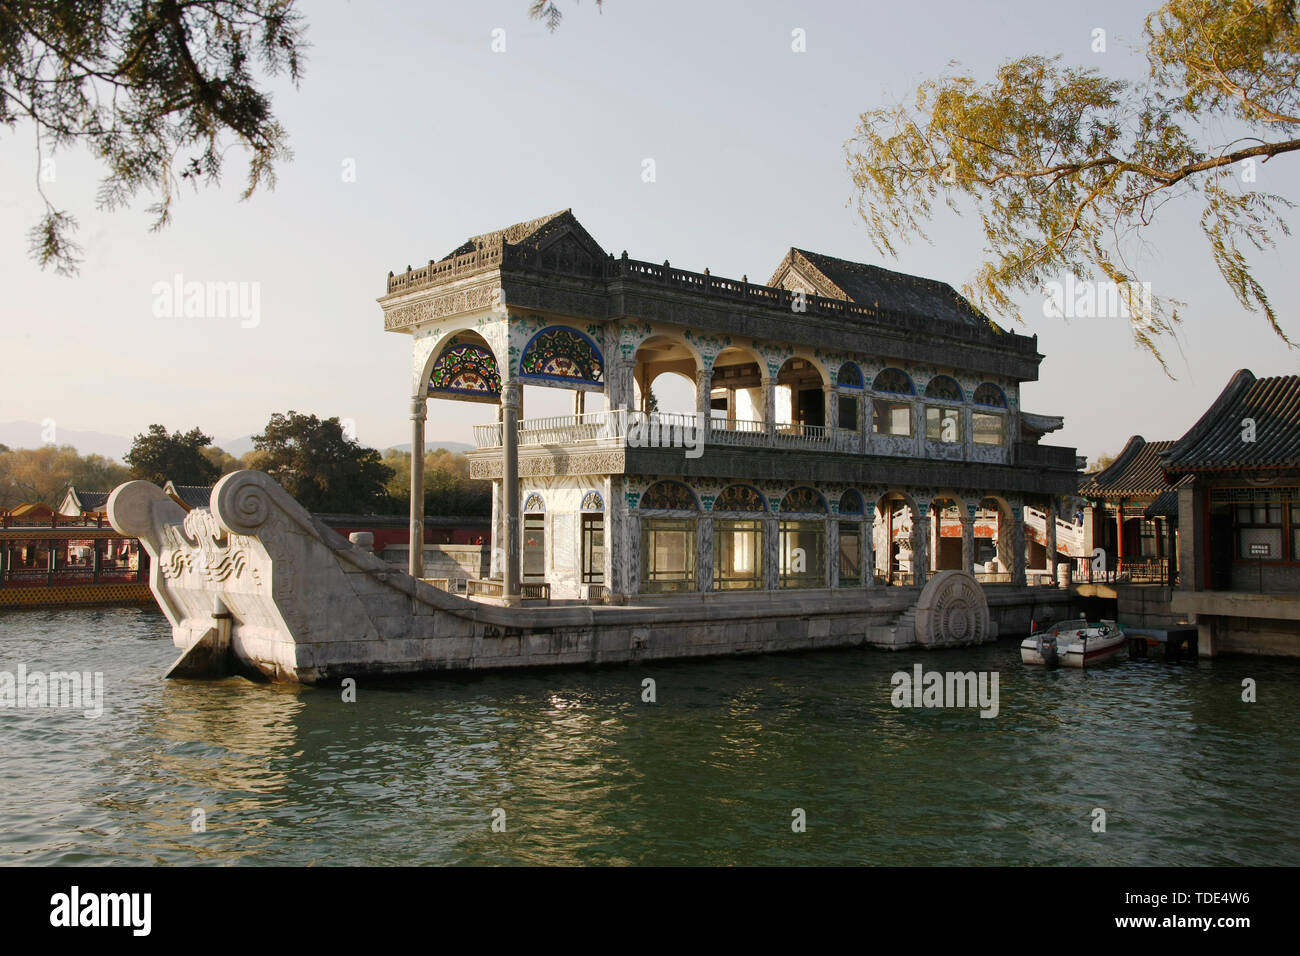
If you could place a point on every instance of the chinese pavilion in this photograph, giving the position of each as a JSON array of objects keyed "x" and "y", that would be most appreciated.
[{"x": 851, "y": 426}]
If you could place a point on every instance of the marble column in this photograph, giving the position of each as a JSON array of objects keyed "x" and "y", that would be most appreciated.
[
  {"x": 769, "y": 407},
  {"x": 968, "y": 537},
  {"x": 771, "y": 553},
  {"x": 511, "y": 396},
  {"x": 703, "y": 410},
  {"x": 704, "y": 553},
  {"x": 869, "y": 546},
  {"x": 921, "y": 544},
  {"x": 832, "y": 552},
  {"x": 1018, "y": 544},
  {"x": 415, "y": 562}
]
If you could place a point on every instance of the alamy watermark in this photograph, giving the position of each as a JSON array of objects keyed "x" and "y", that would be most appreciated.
[
  {"x": 946, "y": 689},
  {"x": 64, "y": 690},
  {"x": 657, "y": 431},
  {"x": 179, "y": 299},
  {"x": 1076, "y": 299}
]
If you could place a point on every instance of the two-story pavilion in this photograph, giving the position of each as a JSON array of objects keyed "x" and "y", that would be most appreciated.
[{"x": 846, "y": 419}]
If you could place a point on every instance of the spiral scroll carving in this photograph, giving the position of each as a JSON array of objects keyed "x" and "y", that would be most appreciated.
[
  {"x": 243, "y": 501},
  {"x": 952, "y": 610}
]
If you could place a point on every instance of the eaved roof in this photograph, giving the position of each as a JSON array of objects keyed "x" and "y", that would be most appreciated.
[
  {"x": 533, "y": 233},
  {"x": 1136, "y": 473},
  {"x": 189, "y": 497},
  {"x": 87, "y": 502},
  {"x": 869, "y": 285},
  {"x": 1221, "y": 440}
]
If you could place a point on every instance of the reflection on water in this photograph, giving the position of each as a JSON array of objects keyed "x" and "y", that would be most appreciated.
[{"x": 587, "y": 773}]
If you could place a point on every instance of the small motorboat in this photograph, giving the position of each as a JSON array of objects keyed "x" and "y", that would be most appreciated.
[{"x": 1076, "y": 643}]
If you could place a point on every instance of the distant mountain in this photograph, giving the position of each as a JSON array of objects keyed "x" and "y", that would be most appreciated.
[
  {"x": 432, "y": 445},
  {"x": 33, "y": 435},
  {"x": 236, "y": 447}
]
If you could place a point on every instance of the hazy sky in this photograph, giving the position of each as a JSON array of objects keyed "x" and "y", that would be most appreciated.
[{"x": 450, "y": 139}]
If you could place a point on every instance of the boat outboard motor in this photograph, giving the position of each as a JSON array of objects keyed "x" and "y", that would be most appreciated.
[{"x": 1047, "y": 648}]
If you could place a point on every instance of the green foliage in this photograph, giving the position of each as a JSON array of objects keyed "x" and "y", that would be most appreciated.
[
  {"x": 1067, "y": 167},
  {"x": 549, "y": 13},
  {"x": 321, "y": 467},
  {"x": 155, "y": 89},
  {"x": 160, "y": 457},
  {"x": 43, "y": 474},
  {"x": 448, "y": 489}
]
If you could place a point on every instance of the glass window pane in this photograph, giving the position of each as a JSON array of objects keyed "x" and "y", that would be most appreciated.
[{"x": 988, "y": 428}]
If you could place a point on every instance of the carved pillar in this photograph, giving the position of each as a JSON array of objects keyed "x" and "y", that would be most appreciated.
[
  {"x": 968, "y": 537},
  {"x": 771, "y": 553},
  {"x": 869, "y": 545},
  {"x": 920, "y": 543},
  {"x": 833, "y": 552},
  {"x": 769, "y": 406},
  {"x": 511, "y": 398},
  {"x": 1018, "y": 544},
  {"x": 496, "y": 567},
  {"x": 613, "y": 526},
  {"x": 415, "y": 563},
  {"x": 832, "y": 403},
  {"x": 704, "y": 553},
  {"x": 703, "y": 410}
]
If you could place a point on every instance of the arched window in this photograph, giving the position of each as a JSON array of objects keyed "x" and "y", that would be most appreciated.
[
  {"x": 593, "y": 538},
  {"x": 990, "y": 428},
  {"x": 668, "y": 544},
  {"x": 849, "y": 376},
  {"x": 669, "y": 496},
  {"x": 466, "y": 369},
  {"x": 534, "y": 503},
  {"x": 592, "y": 501},
  {"x": 889, "y": 416},
  {"x": 805, "y": 500},
  {"x": 943, "y": 388},
  {"x": 739, "y": 498},
  {"x": 850, "y": 556},
  {"x": 559, "y": 353},
  {"x": 943, "y": 422},
  {"x": 894, "y": 381},
  {"x": 990, "y": 395}
]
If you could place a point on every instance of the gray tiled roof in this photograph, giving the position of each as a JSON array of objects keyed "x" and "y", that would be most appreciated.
[
  {"x": 1219, "y": 440},
  {"x": 870, "y": 285},
  {"x": 193, "y": 496},
  {"x": 1136, "y": 472}
]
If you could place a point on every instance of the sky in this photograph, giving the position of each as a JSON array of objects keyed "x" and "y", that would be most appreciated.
[{"x": 411, "y": 134}]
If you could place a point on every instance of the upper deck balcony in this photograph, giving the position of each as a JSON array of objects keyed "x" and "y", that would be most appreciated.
[{"x": 638, "y": 429}]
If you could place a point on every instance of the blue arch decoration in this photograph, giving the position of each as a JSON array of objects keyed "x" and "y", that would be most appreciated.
[
  {"x": 849, "y": 376},
  {"x": 740, "y": 498},
  {"x": 804, "y": 500},
  {"x": 669, "y": 495},
  {"x": 990, "y": 396},
  {"x": 465, "y": 368},
  {"x": 945, "y": 388},
  {"x": 850, "y": 503},
  {"x": 592, "y": 501},
  {"x": 561, "y": 354},
  {"x": 895, "y": 381}
]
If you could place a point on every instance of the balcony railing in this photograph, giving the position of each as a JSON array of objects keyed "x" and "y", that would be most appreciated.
[{"x": 639, "y": 429}]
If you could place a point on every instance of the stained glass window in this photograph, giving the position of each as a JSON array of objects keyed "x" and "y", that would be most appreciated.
[
  {"x": 803, "y": 499},
  {"x": 989, "y": 394},
  {"x": 944, "y": 388},
  {"x": 739, "y": 498},
  {"x": 534, "y": 502},
  {"x": 669, "y": 496},
  {"x": 895, "y": 381},
  {"x": 592, "y": 501},
  {"x": 562, "y": 353},
  {"x": 850, "y": 503},
  {"x": 466, "y": 369},
  {"x": 850, "y": 376}
]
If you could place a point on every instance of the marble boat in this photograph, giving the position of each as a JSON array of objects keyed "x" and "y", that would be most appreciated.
[{"x": 255, "y": 585}]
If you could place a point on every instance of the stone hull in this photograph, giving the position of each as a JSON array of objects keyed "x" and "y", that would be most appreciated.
[{"x": 255, "y": 576}]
